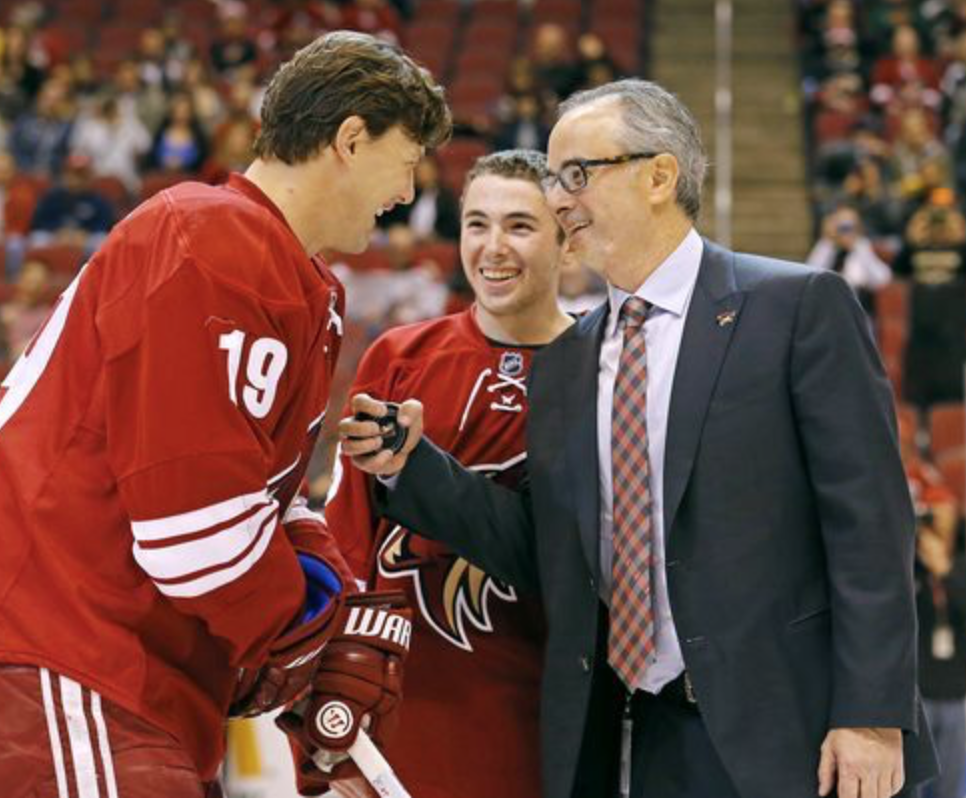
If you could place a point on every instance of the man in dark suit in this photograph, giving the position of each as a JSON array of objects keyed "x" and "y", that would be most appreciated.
[{"x": 717, "y": 516}]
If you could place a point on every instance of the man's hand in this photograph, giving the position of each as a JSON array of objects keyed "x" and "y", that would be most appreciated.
[
  {"x": 362, "y": 440},
  {"x": 861, "y": 763}
]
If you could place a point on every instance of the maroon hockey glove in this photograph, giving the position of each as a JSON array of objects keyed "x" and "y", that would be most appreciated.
[
  {"x": 358, "y": 681},
  {"x": 294, "y": 657}
]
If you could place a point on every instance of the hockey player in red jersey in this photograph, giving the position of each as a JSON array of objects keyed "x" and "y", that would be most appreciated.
[
  {"x": 157, "y": 568},
  {"x": 469, "y": 726}
]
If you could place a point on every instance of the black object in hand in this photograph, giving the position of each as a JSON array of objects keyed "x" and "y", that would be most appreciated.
[{"x": 393, "y": 435}]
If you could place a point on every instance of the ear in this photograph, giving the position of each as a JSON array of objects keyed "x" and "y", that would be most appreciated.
[
  {"x": 662, "y": 181},
  {"x": 350, "y": 134}
]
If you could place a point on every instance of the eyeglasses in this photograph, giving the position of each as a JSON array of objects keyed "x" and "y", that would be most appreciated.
[{"x": 575, "y": 173}]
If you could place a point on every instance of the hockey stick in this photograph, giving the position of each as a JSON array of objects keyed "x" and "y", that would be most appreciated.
[{"x": 374, "y": 767}]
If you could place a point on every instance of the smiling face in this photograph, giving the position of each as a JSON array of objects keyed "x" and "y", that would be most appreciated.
[
  {"x": 376, "y": 175},
  {"x": 613, "y": 206},
  {"x": 510, "y": 248}
]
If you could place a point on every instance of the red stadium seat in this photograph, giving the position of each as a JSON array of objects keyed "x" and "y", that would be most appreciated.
[
  {"x": 64, "y": 260},
  {"x": 495, "y": 61},
  {"x": 457, "y": 157},
  {"x": 499, "y": 11},
  {"x": 486, "y": 33},
  {"x": 114, "y": 191},
  {"x": 22, "y": 196},
  {"x": 441, "y": 10},
  {"x": 947, "y": 427},
  {"x": 892, "y": 301},
  {"x": 953, "y": 468},
  {"x": 892, "y": 335}
]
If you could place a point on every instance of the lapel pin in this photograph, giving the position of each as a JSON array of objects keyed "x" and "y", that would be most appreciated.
[{"x": 726, "y": 318}]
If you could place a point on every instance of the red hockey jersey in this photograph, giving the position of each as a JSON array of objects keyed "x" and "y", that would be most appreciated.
[
  {"x": 151, "y": 439},
  {"x": 469, "y": 718}
]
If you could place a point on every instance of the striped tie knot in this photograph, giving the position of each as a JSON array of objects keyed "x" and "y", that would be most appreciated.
[{"x": 633, "y": 312}]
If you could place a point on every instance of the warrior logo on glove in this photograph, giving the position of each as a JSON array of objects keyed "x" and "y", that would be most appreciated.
[
  {"x": 334, "y": 720},
  {"x": 369, "y": 622}
]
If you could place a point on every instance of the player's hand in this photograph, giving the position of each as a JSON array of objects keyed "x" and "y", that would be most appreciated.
[
  {"x": 861, "y": 763},
  {"x": 363, "y": 441},
  {"x": 294, "y": 656},
  {"x": 358, "y": 682}
]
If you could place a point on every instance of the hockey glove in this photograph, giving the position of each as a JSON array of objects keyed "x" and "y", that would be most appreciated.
[
  {"x": 293, "y": 658},
  {"x": 359, "y": 681}
]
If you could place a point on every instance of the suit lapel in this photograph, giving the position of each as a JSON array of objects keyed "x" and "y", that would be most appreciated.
[
  {"x": 712, "y": 319},
  {"x": 579, "y": 365}
]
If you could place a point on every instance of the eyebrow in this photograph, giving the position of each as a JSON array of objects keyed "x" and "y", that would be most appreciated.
[{"x": 515, "y": 216}]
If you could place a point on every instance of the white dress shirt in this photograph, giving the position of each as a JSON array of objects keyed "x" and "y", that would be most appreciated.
[{"x": 668, "y": 290}]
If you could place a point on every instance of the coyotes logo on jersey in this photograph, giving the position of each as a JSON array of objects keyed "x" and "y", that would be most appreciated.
[{"x": 453, "y": 595}]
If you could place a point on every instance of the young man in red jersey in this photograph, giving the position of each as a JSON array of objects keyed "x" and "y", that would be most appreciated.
[
  {"x": 469, "y": 725},
  {"x": 158, "y": 570}
]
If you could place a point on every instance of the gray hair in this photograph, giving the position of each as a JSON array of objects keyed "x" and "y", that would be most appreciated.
[{"x": 655, "y": 120}]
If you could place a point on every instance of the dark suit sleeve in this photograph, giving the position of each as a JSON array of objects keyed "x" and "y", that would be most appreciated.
[
  {"x": 846, "y": 422},
  {"x": 489, "y": 525}
]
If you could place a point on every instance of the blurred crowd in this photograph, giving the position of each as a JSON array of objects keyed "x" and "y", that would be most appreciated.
[
  {"x": 102, "y": 104},
  {"x": 885, "y": 88},
  {"x": 885, "y": 83}
]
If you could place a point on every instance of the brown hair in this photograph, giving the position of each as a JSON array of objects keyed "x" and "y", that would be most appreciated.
[
  {"x": 342, "y": 74},
  {"x": 529, "y": 165}
]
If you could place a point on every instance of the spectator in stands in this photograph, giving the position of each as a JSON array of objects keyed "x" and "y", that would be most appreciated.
[
  {"x": 934, "y": 257},
  {"x": 206, "y": 98},
  {"x": 40, "y": 136},
  {"x": 905, "y": 65},
  {"x": 232, "y": 149},
  {"x": 21, "y": 72},
  {"x": 553, "y": 64},
  {"x": 180, "y": 144},
  {"x": 14, "y": 199},
  {"x": 114, "y": 144},
  {"x": 836, "y": 48},
  {"x": 882, "y": 17},
  {"x": 933, "y": 251},
  {"x": 524, "y": 128},
  {"x": 434, "y": 214},
  {"x": 916, "y": 145},
  {"x": 234, "y": 46},
  {"x": 866, "y": 190},
  {"x": 595, "y": 67},
  {"x": 375, "y": 17},
  {"x": 844, "y": 248},
  {"x": 147, "y": 104},
  {"x": 954, "y": 108},
  {"x": 71, "y": 212},
  {"x": 26, "y": 311},
  {"x": 941, "y": 606},
  {"x": 156, "y": 65},
  {"x": 408, "y": 289}
]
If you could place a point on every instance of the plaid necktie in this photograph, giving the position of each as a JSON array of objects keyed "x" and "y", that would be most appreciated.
[{"x": 632, "y": 605}]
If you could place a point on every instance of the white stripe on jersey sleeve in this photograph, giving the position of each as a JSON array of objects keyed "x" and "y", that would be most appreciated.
[
  {"x": 196, "y": 520},
  {"x": 220, "y": 546},
  {"x": 299, "y": 510},
  {"x": 209, "y": 582}
]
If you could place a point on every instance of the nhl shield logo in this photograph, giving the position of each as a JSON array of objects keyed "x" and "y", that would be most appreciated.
[{"x": 511, "y": 363}]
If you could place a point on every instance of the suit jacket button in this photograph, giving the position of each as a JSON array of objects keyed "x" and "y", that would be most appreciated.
[
  {"x": 593, "y": 584},
  {"x": 585, "y": 663}
]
